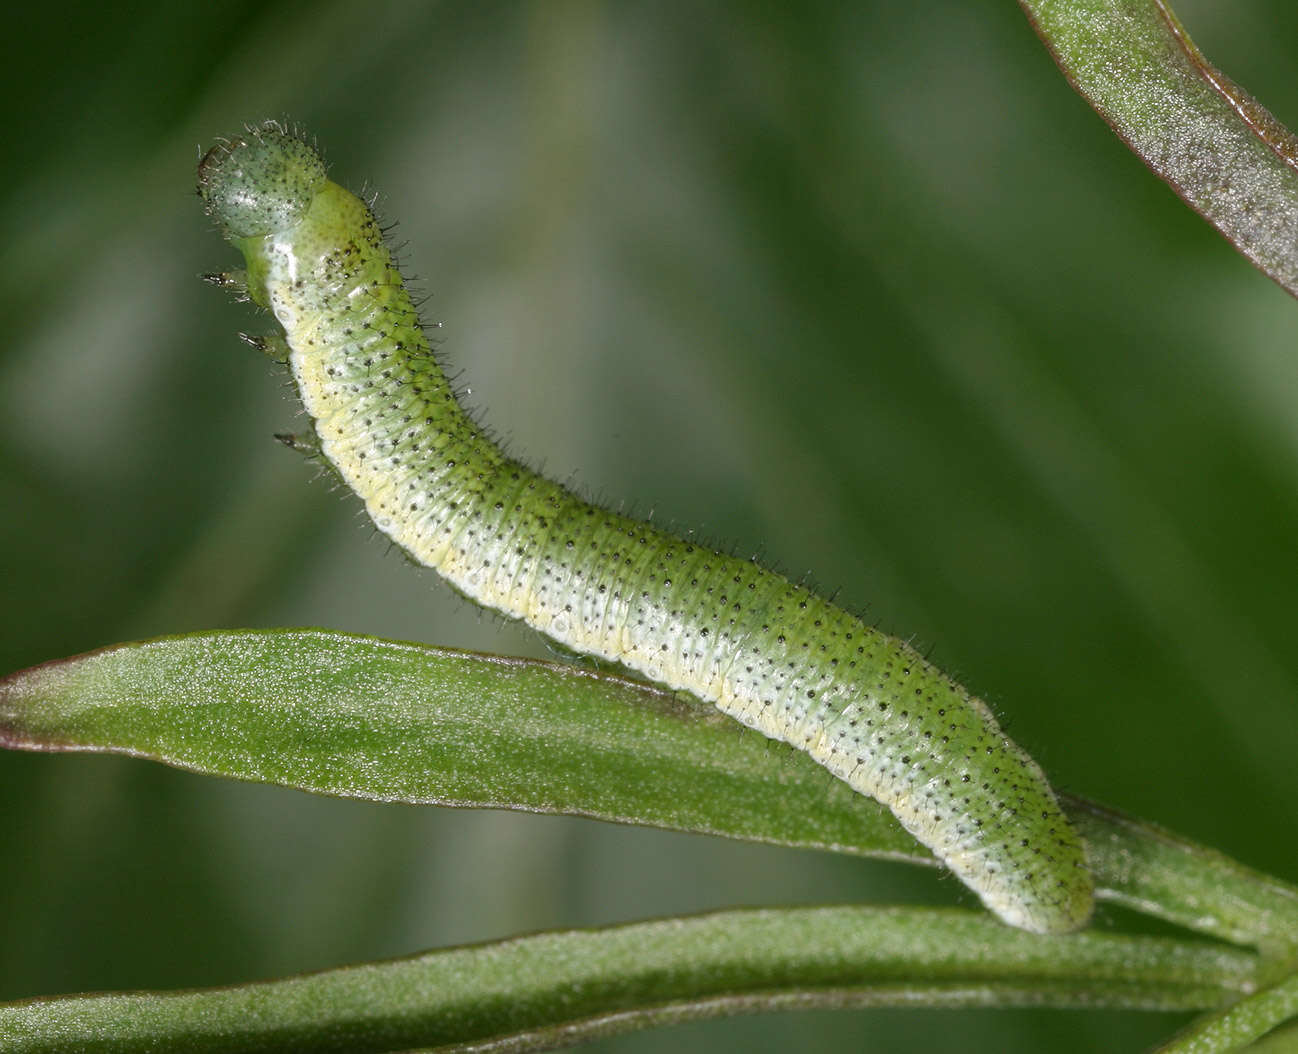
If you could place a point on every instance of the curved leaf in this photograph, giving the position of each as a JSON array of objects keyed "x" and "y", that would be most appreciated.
[{"x": 1218, "y": 147}]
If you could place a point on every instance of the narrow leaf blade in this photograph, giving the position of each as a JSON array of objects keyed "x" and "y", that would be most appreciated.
[
  {"x": 1239, "y": 1025},
  {"x": 556, "y": 989},
  {"x": 1217, "y": 146},
  {"x": 354, "y": 716}
]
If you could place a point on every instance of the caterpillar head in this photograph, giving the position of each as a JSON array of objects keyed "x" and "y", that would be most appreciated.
[{"x": 261, "y": 182}]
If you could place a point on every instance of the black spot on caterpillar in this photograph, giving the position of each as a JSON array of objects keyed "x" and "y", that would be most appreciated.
[{"x": 768, "y": 652}]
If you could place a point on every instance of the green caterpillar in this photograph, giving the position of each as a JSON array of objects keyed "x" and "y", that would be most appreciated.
[{"x": 770, "y": 653}]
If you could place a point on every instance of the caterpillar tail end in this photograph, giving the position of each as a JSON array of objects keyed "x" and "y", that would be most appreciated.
[
  {"x": 1067, "y": 914},
  {"x": 1049, "y": 900}
]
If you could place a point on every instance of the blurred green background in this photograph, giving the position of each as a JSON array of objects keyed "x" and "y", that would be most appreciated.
[{"x": 863, "y": 287}]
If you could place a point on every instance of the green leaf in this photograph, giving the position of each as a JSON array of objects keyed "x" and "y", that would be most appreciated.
[
  {"x": 1148, "y": 869},
  {"x": 359, "y": 717},
  {"x": 1217, "y": 146},
  {"x": 1237, "y": 1026},
  {"x": 537, "y": 992}
]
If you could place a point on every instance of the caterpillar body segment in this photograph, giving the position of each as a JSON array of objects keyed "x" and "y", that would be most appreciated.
[{"x": 770, "y": 653}]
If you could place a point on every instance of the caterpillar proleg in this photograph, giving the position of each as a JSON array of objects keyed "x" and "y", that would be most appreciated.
[{"x": 770, "y": 653}]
